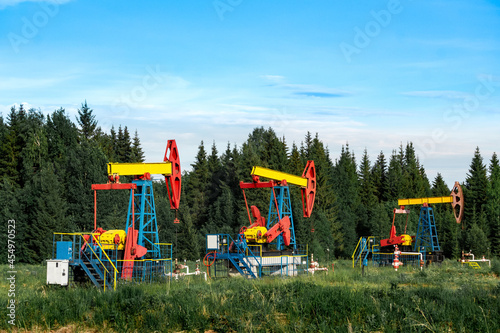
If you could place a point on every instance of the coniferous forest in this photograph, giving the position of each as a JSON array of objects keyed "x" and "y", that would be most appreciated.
[{"x": 48, "y": 164}]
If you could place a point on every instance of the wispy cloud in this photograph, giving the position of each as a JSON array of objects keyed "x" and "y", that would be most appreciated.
[
  {"x": 316, "y": 91},
  {"x": 7, "y": 3},
  {"x": 319, "y": 94},
  {"x": 304, "y": 90},
  {"x": 459, "y": 43},
  {"x": 447, "y": 94},
  {"x": 17, "y": 83},
  {"x": 273, "y": 78},
  {"x": 424, "y": 64},
  {"x": 247, "y": 107}
]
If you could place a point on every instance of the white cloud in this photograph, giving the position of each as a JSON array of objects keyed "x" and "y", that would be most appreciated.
[
  {"x": 315, "y": 90},
  {"x": 20, "y": 84},
  {"x": 459, "y": 43},
  {"x": 308, "y": 90},
  {"x": 247, "y": 107},
  {"x": 273, "y": 78},
  {"x": 448, "y": 94},
  {"x": 424, "y": 64},
  {"x": 7, "y": 3}
]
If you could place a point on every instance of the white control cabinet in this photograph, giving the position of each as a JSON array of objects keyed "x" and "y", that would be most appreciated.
[
  {"x": 212, "y": 242},
  {"x": 58, "y": 272}
]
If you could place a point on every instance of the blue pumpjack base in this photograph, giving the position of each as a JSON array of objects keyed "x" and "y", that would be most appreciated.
[{"x": 426, "y": 239}]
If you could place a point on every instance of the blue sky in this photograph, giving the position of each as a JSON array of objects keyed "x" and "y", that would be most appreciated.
[{"x": 374, "y": 74}]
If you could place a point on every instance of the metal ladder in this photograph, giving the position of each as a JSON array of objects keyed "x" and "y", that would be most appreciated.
[
  {"x": 361, "y": 252},
  {"x": 241, "y": 265},
  {"x": 474, "y": 265}
]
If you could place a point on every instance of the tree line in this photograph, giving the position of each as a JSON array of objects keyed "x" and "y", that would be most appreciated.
[{"x": 48, "y": 164}]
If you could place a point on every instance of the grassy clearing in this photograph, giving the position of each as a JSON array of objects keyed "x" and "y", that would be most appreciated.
[{"x": 438, "y": 299}]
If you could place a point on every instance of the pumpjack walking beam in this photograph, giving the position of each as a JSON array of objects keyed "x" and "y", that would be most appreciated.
[
  {"x": 456, "y": 198},
  {"x": 307, "y": 183}
]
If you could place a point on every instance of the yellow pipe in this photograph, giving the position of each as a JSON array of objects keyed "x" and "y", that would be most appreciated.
[
  {"x": 279, "y": 176},
  {"x": 75, "y": 233}
]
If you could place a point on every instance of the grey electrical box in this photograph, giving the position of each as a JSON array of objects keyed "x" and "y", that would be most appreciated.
[{"x": 58, "y": 272}]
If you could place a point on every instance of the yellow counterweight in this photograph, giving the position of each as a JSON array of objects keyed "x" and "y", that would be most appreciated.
[
  {"x": 256, "y": 234},
  {"x": 113, "y": 239}
]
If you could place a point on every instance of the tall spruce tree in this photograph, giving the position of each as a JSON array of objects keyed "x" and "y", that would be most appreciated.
[
  {"x": 35, "y": 151},
  {"x": 379, "y": 176},
  {"x": 123, "y": 145},
  {"x": 296, "y": 166},
  {"x": 276, "y": 151},
  {"x": 196, "y": 184},
  {"x": 214, "y": 185},
  {"x": 446, "y": 226},
  {"x": 14, "y": 139},
  {"x": 188, "y": 243},
  {"x": 8, "y": 153},
  {"x": 230, "y": 173},
  {"x": 126, "y": 146},
  {"x": 345, "y": 180},
  {"x": 493, "y": 204},
  {"x": 367, "y": 196},
  {"x": 324, "y": 219},
  {"x": 366, "y": 183},
  {"x": 87, "y": 122},
  {"x": 415, "y": 184},
  {"x": 476, "y": 184},
  {"x": 395, "y": 177},
  {"x": 113, "y": 137},
  {"x": 12, "y": 210},
  {"x": 46, "y": 209},
  {"x": 62, "y": 136},
  {"x": 137, "y": 153}
]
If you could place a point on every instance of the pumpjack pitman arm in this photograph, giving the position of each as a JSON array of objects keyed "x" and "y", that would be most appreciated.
[{"x": 282, "y": 227}]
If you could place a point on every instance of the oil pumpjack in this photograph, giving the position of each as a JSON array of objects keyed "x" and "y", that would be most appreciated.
[
  {"x": 267, "y": 246},
  {"x": 134, "y": 253},
  {"x": 424, "y": 244}
]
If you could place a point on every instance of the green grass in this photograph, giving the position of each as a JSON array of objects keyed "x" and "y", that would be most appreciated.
[{"x": 449, "y": 298}]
